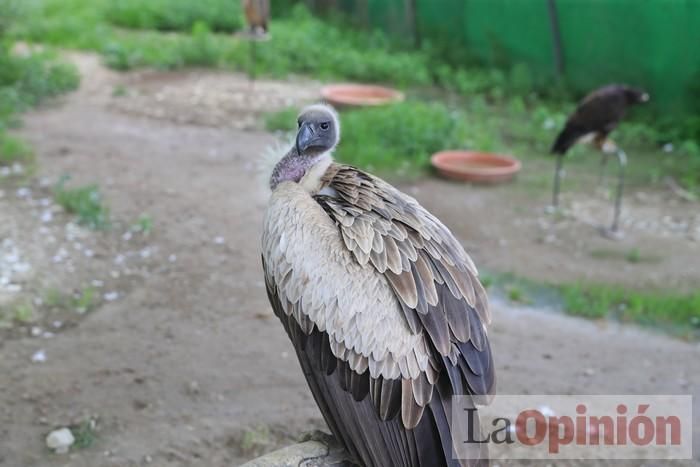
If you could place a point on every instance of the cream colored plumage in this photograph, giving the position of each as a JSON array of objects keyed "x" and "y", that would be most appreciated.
[{"x": 382, "y": 304}]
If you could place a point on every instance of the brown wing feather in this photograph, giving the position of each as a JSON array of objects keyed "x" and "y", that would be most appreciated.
[{"x": 431, "y": 275}]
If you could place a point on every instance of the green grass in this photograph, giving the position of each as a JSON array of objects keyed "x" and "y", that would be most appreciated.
[
  {"x": 24, "y": 313},
  {"x": 14, "y": 150},
  {"x": 26, "y": 81},
  {"x": 633, "y": 255},
  {"x": 144, "y": 224},
  {"x": 652, "y": 308},
  {"x": 85, "y": 202},
  {"x": 85, "y": 434},
  {"x": 666, "y": 310},
  {"x": 83, "y": 300},
  {"x": 174, "y": 15}
]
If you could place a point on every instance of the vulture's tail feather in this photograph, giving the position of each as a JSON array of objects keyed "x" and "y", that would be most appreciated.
[
  {"x": 566, "y": 138},
  {"x": 374, "y": 442}
]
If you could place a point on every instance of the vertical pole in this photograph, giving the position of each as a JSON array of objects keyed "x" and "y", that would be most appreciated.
[
  {"x": 622, "y": 159},
  {"x": 557, "y": 177},
  {"x": 411, "y": 10},
  {"x": 556, "y": 37}
]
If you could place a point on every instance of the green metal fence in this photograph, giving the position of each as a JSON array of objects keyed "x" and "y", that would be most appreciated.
[{"x": 651, "y": 43}]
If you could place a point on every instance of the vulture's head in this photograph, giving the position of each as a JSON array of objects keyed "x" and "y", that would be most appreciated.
[
  {"x": 635, "y": 95},
  {"x": 319, "y": 130},
  {"x": 318, "y": 134}
]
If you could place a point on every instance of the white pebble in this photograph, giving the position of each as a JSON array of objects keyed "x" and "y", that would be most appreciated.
[
  {"x": 111, "y": 296},
  {"x": 60, "y": 440},
  {"x": 97, "y": 283},
  {"x": 172, "y": 258},
  {"x": 219, "y": 240},
  {"x": 89, "y": 253},
  {"x": 39, "y": 356},
  {"x": 23, "y": 192},
  {"x": 46, "y": 216}
]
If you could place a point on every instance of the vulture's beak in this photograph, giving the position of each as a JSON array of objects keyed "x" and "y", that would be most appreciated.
[{"x": 305, "y": 137}]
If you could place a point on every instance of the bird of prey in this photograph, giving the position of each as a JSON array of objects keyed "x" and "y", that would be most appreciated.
[
  {"x": 257, "y": 15},
  {"x": 598, "y": 114},
  {"x": 382, "y": 304}
]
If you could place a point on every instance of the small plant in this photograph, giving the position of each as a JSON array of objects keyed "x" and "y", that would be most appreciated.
[
  {"x": 24, "y": 313},
  {"x": 633, "y": 256},
  {"x": 84, "y": 301},
  {"x": 85, "y": 202},
  {"x": 121, "y": 58},
  {"x": 254, "y": 441},
  {"x": 516, "y": 294},
  {"x": 120, "y": 91},
  {"x": 144, "y": 224},
  {"x": 53, "y": 298},
  {"x": 14, "y": 150},
  {"x": 486, "y": 280},
  {"x": 85, "y": 433}
]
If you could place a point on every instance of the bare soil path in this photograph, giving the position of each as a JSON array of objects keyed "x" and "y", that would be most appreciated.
[{"x": 189, "y": 366}]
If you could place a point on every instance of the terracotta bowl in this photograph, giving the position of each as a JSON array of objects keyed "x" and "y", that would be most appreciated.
[
  {"x": 477, "y": 167},
  {"x": 359, "y": 95}
]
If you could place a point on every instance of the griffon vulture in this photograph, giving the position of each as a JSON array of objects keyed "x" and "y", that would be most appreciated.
[{"x": 382, "y": 304}]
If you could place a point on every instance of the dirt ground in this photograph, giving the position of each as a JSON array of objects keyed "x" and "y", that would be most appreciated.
[{"x": 182, "y": 363}]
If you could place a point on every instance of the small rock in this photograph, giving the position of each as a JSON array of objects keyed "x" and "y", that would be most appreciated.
[
  {"x": 60, "y": 440},
  {"x": 36, "y": 331},
  {"x": 24, "y": 192},
  {"x": 192, "y": 388},
  {"x": 39, "y": 356},
  {"x": 589, "y": 372},
  {"x": 111, "y": 296},
  {"x": 46, "y": 216},
  {"x": 219, "y": 240},
  {"x": 172, "y": 258}
]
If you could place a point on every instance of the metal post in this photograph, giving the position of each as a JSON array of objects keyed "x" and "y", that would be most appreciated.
[
  {"x": 411, "y": 10},
  {"x": 556, "y": 37},
  {"x": 622, "y": 159},
  {"x": 557, "y": 176}
]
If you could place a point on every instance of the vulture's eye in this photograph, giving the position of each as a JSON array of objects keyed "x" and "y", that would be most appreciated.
[
  {"x": 325, "y": 125},
  {"x": 299, "y": 123}
]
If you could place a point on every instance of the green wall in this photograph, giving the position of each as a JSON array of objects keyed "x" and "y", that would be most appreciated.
[{"x": 650, "y": 43}]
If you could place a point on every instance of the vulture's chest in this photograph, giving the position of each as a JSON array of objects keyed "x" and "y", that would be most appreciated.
[{"x": 316, "y": 276}]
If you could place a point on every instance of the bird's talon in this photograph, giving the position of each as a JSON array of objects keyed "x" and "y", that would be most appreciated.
[{"x": 612, "y": 234}]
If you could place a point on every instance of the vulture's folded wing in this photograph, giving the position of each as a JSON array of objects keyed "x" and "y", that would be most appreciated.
[{"x": 432, "y": 277}]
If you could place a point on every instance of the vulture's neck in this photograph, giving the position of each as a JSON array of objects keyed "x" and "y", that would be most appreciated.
[
  {"x": 312, "y": 181},
  {"x": 307, "y": 171}
]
